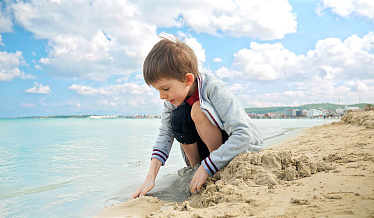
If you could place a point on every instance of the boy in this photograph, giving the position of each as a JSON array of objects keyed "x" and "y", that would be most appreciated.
[{"x": 199, "y": 112}]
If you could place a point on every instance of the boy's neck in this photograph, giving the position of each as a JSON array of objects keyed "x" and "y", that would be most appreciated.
[{"x": 193, "y": 88}]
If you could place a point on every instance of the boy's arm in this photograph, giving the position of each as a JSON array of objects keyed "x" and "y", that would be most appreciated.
[
  {"x": 149, "y": 181},
  {"x": 160, "y": 152},
  {"x": 243, "y": 135},
  {"x": 165, "y": 138}
]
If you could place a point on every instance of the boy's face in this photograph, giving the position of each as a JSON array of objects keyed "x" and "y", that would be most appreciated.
[{"x": 173, "y": 90}]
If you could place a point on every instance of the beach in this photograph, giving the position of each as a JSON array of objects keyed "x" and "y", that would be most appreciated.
[{"x": 325, "y": 171}]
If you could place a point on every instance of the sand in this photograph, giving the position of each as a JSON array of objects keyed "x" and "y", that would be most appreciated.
[{"x": 326, "y": 171}]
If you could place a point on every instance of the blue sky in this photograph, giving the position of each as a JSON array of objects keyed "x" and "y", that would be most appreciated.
[{"x": 85, "y": 57}]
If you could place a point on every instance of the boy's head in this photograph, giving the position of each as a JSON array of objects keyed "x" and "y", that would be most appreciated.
[{"x": 171, "y": 59}]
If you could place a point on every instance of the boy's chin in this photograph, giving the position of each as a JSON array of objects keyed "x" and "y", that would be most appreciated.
[{"x": 176, "y": 103}]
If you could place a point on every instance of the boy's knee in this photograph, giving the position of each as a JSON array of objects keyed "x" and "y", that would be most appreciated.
[{"x": 196, "y": 112}]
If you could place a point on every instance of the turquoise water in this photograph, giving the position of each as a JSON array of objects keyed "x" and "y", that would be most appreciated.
[{"x": 74, "y": 167}]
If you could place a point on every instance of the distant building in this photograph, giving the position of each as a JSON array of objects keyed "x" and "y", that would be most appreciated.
[
  {"x": 305, "y": 112},
  {"x": 339, "y": 111},
  {"x": 290, "y": 113},
  {"x": 272, "y": 115},
  {"x": 293, "y": 113},
  {"x": 315, "y": 113}
]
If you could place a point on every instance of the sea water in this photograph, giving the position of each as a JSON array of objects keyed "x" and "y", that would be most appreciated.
[{"x": 76, "y": 167}]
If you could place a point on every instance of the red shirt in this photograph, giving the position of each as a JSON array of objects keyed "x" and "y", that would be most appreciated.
[{"x": 193, "y": 98}]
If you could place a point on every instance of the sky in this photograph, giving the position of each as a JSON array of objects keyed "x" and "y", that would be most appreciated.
[{"x": 74, "y": 57}]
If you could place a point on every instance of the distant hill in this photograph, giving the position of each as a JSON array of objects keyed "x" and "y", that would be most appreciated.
[{"x": 281, "y": 110}]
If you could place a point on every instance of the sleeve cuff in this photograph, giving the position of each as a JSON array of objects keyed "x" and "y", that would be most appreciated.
[
  {"x": 160, "y": 155},
  {"x": 209, "y": 166}
]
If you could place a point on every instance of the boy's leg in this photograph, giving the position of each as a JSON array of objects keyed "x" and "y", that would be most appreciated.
[
  {"x": 192, "y": 152},
  {"x": 186, "y": 134},
  {"x": 210, "y": 134}
]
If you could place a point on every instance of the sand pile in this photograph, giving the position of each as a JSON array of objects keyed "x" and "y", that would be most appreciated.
[
  {"x": 247, "y": 172},
  {"x": 325, "y": 171},
  {"x": 254, "y": 170},
  {"x": 360, "y": 118}
]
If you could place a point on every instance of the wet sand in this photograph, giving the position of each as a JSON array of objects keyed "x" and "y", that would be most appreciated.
[{"x": 325, "y": 171}]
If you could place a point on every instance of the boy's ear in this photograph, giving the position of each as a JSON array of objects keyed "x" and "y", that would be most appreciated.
[{"x": 190, "y": 78}]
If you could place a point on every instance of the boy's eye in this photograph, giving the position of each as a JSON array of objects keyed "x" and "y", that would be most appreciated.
[{"x": 165, "y": 89}]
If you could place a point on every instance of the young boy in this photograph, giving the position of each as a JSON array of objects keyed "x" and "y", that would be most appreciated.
[{"x": 200, "y": 112}]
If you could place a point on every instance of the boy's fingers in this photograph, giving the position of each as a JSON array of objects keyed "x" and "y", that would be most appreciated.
[
  {"x": 199, "y": 186},
  {"x": 196, "y": 187},
  {"x": 193, "y": 186},
  {"x": 132, "y": 196},
  {"x": 136, "y": 194},
  {"x": 147, "y": 188},
  {"x": 144, "y": 191}
]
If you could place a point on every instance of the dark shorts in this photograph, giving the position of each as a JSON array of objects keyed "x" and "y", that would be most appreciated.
[{"x": 185, "y": 131}]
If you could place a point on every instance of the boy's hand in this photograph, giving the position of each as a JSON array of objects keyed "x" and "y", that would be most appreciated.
[
  {"x": 198, "y": 179},
  {"x": 149, "y": 181},
  {"x": 147, "y": 185}
]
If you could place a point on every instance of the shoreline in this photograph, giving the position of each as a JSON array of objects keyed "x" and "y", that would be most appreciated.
[
  {"x": 283, "y": 137},
  {"x": 325, "y": 170}
]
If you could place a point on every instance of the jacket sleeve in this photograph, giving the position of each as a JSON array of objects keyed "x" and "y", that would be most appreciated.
[
  {"x": 165, "y": 138},
  {"x": 243, "y": 134}
]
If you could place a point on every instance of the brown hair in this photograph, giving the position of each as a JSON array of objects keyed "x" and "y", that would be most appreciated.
[{"x": 169, "y": 58}]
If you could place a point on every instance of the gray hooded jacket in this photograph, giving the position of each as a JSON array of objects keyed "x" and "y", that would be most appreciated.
[{"x": 223, "y": 110}]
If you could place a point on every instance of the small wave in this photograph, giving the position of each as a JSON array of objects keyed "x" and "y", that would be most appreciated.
[
  {"x": 280, "y": 134},
  {"x": 37, "y": 190}
]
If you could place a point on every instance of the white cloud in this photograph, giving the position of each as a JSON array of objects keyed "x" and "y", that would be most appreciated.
[
  {"x": 198, "y": 50},
  {"x": 333, "y": 69},
  {"x": 112, "y": 37},
  {"x": 38, "y": 89},
  {"x": 105, "y": 102},
  {"x": 139, "y": 77},
  {"x": 362, "y": 86},
  {"x": 10, "y": 60},
  {"x": 266, "y": 62},
  {"x": 259, "y": 19},
  {"x": 217, "y": 60},
  {"x": 86, "y": 90},
  {"x": 346, "y": 8},
  {"x": 1, "y": 39},
  {"x": 28, "y": 104},
  {"x": 120, "y": 98},
  {"x": 236, "y": 87},
  {"x": 330, "y": 59},
  {"x": 126, "y": 88},
  {"x": 225, "y": 73},
  {"x": 313, "y": 91},
  {"x": 222, "y": 72},
  {"x": 6, "y": 24},
  {"x": 9, "y": 66},
  {"x": 351, "y": 58},
  {"x": 107, "y": 38},
  {"x": 123, "y": 79}
]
